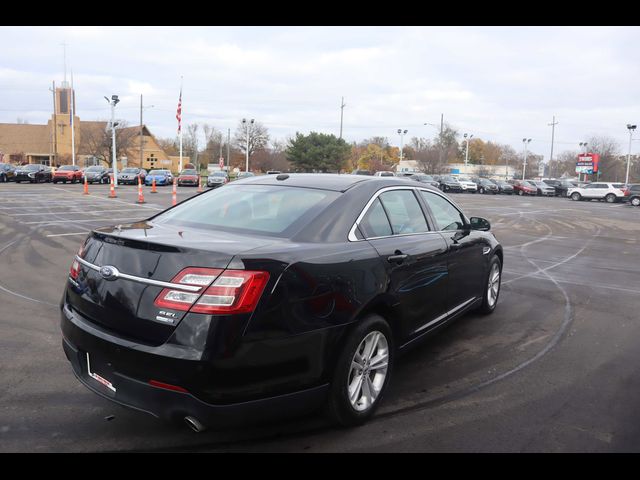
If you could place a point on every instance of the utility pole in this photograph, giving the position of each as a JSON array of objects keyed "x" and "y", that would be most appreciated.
[
  {"x": 342, "y": 105},
  {"x": 141, "y": 140},
  {"x": 526, "y": 141},
  {"x": 228, "y": 147},
  {"x": 441, "y": 153},
  {"x": 54, "y": 128},
  {"x": 631, "y": 128},
  {"x": 553, "y": 128}
]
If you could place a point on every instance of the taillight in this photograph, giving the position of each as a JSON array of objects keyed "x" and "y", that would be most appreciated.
[
  {"x": 74, "y": 271},
  {"x": 182, "y": 300},
  {"x": 233, "y": 291}
]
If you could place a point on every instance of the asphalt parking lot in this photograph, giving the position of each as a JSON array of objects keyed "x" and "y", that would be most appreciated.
[{"x": 555, "y": 368}]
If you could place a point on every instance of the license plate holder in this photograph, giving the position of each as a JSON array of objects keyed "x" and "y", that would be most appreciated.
[{"x": 98, "y": 377}]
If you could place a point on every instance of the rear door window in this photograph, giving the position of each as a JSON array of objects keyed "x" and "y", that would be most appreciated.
[{"x": 375, "y": 223}]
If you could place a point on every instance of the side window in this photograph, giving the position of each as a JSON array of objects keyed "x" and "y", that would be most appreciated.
[
  {"x": 447, "y": 216},
  {"x": 375, "y": 222},
  {"x": 404, "y": 212}
]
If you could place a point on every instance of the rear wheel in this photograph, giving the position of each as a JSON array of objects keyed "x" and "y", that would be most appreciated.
[
  {"x": 575, "y": 196},
  {"x": 635, "y": 201},
  {"x": 492, "y": 286},
  {"x": 610, "y": 198},
  {"x": 362, "y": 372},
  {"x": 520, "y": 192}
]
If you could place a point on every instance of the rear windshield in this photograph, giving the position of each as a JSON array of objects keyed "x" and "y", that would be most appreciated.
[{"x": 259, "y": 209}]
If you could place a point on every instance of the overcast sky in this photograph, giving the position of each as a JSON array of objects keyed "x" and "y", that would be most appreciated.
[{"x": 498, "y": 83}]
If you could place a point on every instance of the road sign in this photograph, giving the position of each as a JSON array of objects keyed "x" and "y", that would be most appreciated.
[
  {"x": 541, "y": 170},
  {"x": 587, "y": 163}
]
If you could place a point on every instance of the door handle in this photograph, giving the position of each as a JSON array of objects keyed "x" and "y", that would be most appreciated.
[{"x": 397, "y": 258}]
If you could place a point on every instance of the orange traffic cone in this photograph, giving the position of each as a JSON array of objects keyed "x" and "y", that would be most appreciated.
[
  {"x": 86, "y": 186},
  {"x": 199, "y": 184},
  {"x": 153, "y": 185},
  {"x": 112, "y": 190},
  {"x": 140, "y": 195},
  {"x": 174, "y": 198}
]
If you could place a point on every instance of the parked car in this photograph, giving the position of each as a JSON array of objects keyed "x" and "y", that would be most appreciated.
[
  {"x": 162, "y": 177},
  {"x": 543, "y": 189},
  {"x": 360, "y": 172},
  {"x": 523, "y": 187},
  {"x": 189, "y": 177},
  {"x": 217, "y": 179},
  {"x": 447, "y": 183},
  {"x": 242, "y": 175},
  {"x": 610, "y": 192},
  {"x": 96, "y": 174},
  {"x": 67, "y": 173},
  {"x": 561, "y": 186},
  {"x": 486, "y": 186},
  {"x": 504, "y": 187},
  {"x": 7, "y": 172},
  {"x": 274, "y": 172},
  {"x": 33, "y": 172},
  {"x": 131, "y": 175},
  {"x": 384, "y": 174},
  {"x": 467, "y": 185},
  {"x": 273, "y": 296},
  {"x": 632, "y": 194},
  {"x": 423, "y": 178}
]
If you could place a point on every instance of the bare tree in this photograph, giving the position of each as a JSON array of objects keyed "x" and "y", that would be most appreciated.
[
  {"x": 96, "y": 140},
  {"x": 257, "y": 133}
]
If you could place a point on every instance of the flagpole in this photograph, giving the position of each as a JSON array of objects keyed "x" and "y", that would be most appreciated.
[
  {"x": 73, "y": 111},
  {"x": 180, "y": 127}
]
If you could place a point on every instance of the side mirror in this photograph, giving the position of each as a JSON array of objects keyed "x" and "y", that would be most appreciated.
[{"x": 479, "y": 223}]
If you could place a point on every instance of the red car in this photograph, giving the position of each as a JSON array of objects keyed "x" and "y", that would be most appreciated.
[
  {"x": 524, "y": 187},
  {"x": 67, "y": 173},
  {"x": 188, "y": 177}
]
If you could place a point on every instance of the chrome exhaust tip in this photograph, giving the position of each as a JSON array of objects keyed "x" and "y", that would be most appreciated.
[{"x": 194, "y": 424}]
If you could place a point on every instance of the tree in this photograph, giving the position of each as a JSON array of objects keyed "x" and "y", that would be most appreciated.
[
  {"x": 271, "y": 158},
  {"x": 258, "y": 137},
  {"x": 610, "y": 167},
  {"x": 317, "y": 152},
  {"x": 169, "y": 145},
  {"x": 97, "y": 141},
  {"x": 375, "y": 157}
]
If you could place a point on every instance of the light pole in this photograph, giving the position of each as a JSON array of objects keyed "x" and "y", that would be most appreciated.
[
  {"x": 467, "y": 137},
  {"x": 583, "y": 144},
  {"x": 247, "y": 127},
  {"x": 142, "y": 108},
  {"x": 526, "y": 142},
  {"x": 113, "y": 102},
  {"x": 402, "y": 133},
  {"x": 631, "y": 129}
]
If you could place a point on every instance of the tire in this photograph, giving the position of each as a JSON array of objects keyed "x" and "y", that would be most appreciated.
[
  {"x": 491, "y": 286},
  {"x": 481, "y": 190},
  {"x": 576, "y": 197},
  {"x": 339, "y": 408},
  {"x": 520, "y": 192},
  {"x": 610, "y": 198},
  {"x": 635, "y": 201}
]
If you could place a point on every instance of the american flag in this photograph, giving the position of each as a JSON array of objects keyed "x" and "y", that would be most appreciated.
[{"x": 179, "y": 112}]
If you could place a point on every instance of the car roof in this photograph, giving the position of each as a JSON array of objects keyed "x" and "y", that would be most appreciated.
[{"x": 324, "y": 181}]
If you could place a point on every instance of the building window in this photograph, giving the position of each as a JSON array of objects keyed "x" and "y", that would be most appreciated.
[{"x": 63, "y": 102}]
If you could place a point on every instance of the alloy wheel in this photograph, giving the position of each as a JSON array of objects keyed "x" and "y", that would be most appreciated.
[
  {"x": 493, "y": 286},
  {"x": 368, "y": 371}
]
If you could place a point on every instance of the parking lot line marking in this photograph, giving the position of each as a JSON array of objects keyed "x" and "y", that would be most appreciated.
[
  {"x": 66, "y": 234},
  {"x": 80, "y": 221},
  {"x": 67, "y": 212},
  {"x": 111, "y": 200}
]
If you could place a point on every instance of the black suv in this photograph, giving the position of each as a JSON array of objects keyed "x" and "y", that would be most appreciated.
[
  {"x": 96, "y": 174},
  {"x": 561, "y": 186},
  {"x": 486, "y": 186},
  {"x": 447, "y": 183}
]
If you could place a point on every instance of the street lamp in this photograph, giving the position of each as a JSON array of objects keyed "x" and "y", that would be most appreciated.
[
  {"x": 631, "y": 128},
  {"x": 402, "y": 133},
  {"x": 467, "y": 137},
  {"x": 526, "y": 142},
  {"x": 247, "y": 127},
  {"x": 113, "y": 102}
]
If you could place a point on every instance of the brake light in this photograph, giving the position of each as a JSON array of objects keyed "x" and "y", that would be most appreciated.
[
  {"x": 74, "y": 271},
  {"x": 181, "y": 300},
  {"x": 168, "y": 386},
  {"x": 232, "y": 291}
]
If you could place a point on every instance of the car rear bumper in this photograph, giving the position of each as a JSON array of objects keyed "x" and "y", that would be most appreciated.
[{"x": 86, "y": 346}]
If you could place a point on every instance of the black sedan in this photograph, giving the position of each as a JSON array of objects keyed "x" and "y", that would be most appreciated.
[
  {"x": 34, "y": 173},
  {"x": 504, "y": 187},
  {"x": 96, "y": 174},
  {"x": 7, "y": 172},
  {"x": 273, "y": 296}
]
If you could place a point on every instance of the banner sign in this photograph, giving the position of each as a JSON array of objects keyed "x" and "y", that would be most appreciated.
[{"x": 587, "y": 163}]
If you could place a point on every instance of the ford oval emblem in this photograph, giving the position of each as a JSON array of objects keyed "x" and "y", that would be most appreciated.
[{"x": 109, "y": 273}]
